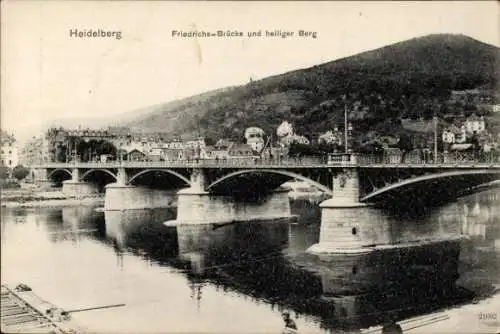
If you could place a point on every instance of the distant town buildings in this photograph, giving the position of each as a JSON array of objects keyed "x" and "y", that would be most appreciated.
[
  {"x": 9, "y": 152},
  {"x": 65, "y": 145},
  {"x": 61, "y": 144},
  {"x": 475, "y": 124}
]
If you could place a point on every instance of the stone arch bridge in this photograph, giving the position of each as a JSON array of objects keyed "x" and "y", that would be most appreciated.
[
  {"x": 253, "y": 187},
  {"x": 350, "y": 181}
]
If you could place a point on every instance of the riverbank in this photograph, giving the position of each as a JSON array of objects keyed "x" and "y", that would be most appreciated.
[{"x": 27, "y": 198}]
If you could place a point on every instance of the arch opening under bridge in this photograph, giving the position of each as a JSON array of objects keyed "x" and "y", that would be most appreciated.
[
  {"x": 91, "y": 171},
  {"x": 260, "y": 180},
  {"x": 58, "y": 176},
  {"x": 58, "y": 170},
  {"x": 100, "y": 177},
  {"x": 177, "y": 181},
  {"x": 434, "y": 189}
]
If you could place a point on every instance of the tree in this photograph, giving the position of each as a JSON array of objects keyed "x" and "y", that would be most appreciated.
[
  {"x": 405, "y": 144},
  {"x": 107, "y": 148},
  {"x": 20, "y": 172},
  {"x": 4, "y": 172}
]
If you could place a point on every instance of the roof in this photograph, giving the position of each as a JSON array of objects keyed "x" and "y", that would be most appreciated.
[
  {"x": 454, "y": 129},
  {"x": 393, "y": 150},
  {"x": 474, "y": 117},
  {"x": 460, "y": 147},
  {"x": 208, "y": 148},
  {"x": 223, "y": 143},
  {"x": 240, "y": 147},
  {"x": 136, "y": 151}
]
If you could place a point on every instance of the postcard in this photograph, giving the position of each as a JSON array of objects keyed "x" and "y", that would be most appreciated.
[{"x": 250, "y": 167}]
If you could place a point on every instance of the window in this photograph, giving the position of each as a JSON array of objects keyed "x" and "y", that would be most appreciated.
[
  {"x": 354, "y": 231},
  {"x": 10, "y": 152}
]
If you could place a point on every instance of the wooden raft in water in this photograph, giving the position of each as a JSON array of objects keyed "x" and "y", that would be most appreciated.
[{"x": 22, "y": 312}]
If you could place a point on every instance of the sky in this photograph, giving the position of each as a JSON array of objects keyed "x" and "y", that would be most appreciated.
[{"x": 48, "y": 75}]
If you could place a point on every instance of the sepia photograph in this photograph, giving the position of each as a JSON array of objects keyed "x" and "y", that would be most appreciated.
[{"x": 253, "y": 167}]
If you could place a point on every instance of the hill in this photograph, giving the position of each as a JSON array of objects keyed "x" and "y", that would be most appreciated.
[{"x": 410, "y": 79}]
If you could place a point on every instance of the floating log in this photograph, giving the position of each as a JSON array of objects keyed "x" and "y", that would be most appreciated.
[{"x": 94, "y": 308}]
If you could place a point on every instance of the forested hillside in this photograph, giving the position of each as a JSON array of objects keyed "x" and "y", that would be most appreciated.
[{"x": 410, "y": 79}]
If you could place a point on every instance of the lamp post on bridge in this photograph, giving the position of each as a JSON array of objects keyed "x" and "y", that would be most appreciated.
[
  {"x": 345, "y": 125},
  {"x": 435, "y": 138}
]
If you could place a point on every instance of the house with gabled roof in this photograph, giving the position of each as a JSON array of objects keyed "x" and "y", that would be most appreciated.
[{"x": 241, "y": 150}]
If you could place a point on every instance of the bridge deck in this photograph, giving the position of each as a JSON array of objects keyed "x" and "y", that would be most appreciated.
[{"x": 265, "y": 164}]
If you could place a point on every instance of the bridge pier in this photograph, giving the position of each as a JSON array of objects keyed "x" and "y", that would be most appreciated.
[
  {"x": 122, "y": 196},
  {"x": 127, "y": 197},
  {"x": 351, "y": 230},
  {"x": 198, "y": 206},
  {"x": 40, "y": 178},
  {"x": 75, "y": 187},
  {"x": 340, "y": 216}
]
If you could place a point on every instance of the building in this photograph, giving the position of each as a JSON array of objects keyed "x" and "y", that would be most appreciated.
[
  {"x": 294, "y": 139},
  {"x": 9, "y": 152},
  {"x": 392, "y": 155},
  {"x": 172, "y": 154},
  {"x": 454, "y": 134},
  {"x": 475, "y": 124},
  {"x": 285, "y": 129},
  {"x": 255, "y": 138},
  {"x": 136, "y": 155},
  {"x": 219, "y": 152},
  {"x": 240, "y": 150},
  {"x": 223, "y": 143},
  {"x": 195, "y": 143},
  {"x": 207, "y": 152},
  {"x": 448, "y": 136},
  {"x": 35, "y": 151},
  {"x": 331, "y": 137}
]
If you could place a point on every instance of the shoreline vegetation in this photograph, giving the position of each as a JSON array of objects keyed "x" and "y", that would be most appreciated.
[{"x": 28, "y": 198}]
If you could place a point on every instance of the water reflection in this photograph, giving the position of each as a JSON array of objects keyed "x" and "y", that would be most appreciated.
[
  {"x": 265, "y": 260},
  {"x": 141, "y": 232}
]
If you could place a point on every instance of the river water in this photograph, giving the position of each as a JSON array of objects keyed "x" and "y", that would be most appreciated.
[{"x": 239, "y": 278}]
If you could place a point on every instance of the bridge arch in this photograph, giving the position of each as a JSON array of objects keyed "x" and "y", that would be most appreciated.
[
  {"x": 431, "y": 177},
  {"x": 273, "y": 171},
  {"x": 98, "y": 170},
  {"x": 168, "y": 171},
  {"x": 51, "y": 173}
]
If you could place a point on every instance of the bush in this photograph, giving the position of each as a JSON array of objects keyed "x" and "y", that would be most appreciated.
[
  {"x": 20, "y": 172},
  {"x": 4, "y": 172}
]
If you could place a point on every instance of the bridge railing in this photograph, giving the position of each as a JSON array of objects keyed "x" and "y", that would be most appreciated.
[
  {"x": 241, "y": 162},
  {"x": 428, "y": 160},
  {"x": 311, "y": 161}
]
